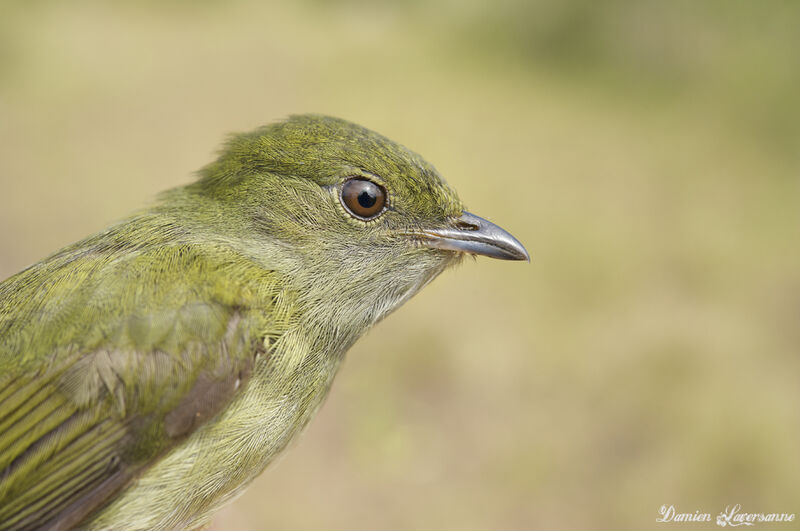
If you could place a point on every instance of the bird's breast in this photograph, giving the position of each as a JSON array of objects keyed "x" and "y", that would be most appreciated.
[{"x": 217, "y": 461}]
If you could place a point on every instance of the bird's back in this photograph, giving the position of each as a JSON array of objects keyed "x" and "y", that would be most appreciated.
[{"x": 112, "y": 355}]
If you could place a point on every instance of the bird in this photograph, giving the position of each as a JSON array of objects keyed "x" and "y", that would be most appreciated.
[{"x": 150, "y": 372}]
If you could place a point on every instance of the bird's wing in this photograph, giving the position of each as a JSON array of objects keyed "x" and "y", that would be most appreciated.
[{"x": 93, "y": 391}]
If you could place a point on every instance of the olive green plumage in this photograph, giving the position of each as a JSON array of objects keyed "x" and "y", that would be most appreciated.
[{"x": 151, "y": 371}]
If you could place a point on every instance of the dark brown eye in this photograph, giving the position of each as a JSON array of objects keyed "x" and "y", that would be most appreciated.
[{"x": 364, "y": 199}]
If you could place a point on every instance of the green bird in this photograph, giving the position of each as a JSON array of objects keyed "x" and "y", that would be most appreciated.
[{"x": 150, "y": 372}]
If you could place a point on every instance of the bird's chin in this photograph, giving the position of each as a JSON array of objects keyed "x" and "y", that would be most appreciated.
[{"x": 447, "y": 259}]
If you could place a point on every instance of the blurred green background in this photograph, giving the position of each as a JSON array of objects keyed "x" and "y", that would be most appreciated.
[{"x": 647, "y": 154}]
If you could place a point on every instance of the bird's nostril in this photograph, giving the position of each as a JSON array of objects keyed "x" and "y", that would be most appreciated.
[{"x": 466, "y": 225}]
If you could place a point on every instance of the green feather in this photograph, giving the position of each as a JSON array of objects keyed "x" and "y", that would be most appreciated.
[{"x": 150, "y": 372}]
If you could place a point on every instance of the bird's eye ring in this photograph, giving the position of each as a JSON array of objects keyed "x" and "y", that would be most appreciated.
[{"x": 363, "y": 198}]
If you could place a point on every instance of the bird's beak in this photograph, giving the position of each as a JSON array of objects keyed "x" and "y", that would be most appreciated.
[{"x": 474, "y": 235}]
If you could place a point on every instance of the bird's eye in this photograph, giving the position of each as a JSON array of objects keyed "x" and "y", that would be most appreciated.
[{"x": 362, "y": 198}]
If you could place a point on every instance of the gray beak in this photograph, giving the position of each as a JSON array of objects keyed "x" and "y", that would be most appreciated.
[{"x": 474, "y": 235}]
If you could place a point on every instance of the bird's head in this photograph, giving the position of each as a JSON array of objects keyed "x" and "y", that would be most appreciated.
[{"x": 343, "y": 208}]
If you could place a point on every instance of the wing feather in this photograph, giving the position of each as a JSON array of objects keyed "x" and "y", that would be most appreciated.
[{"x": 80, "y": 421}]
